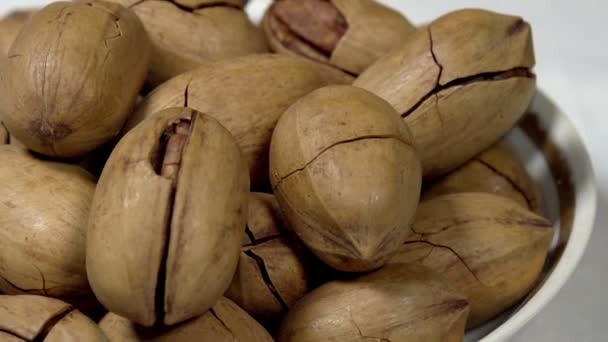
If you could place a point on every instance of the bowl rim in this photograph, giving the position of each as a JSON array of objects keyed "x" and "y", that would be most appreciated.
[{"x": 564, "y": 134}]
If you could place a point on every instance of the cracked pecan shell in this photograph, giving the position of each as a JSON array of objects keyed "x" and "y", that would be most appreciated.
[
  {"x": 489, "y": 247},
  {"x": 188, "y": 33},
  {"x": 346, "y": 175},
  {"x": 397, "y": 303},
  {"x": 36, "y": 318},
  {"x": 460, "y": 83},
  {"x": 44, "y": 208},
  {"x": 349, "y": 35},
  {"x": 167, "y": 219},
  {"x": 225, "y": 321},
  {"x": 497, "y": 171},
  {"x": 247, "y": 95},
  {"x": 72, "y": 76},
  {"x": 274, "y": 270}
]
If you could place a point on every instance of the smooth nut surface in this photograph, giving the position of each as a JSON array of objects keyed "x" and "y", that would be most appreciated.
[
  {"x": 497, "y": 171},
  {"x": 346, "y": 175},
  {"x": 274, "y": 270},
  {"x": 397, "y": 303},
  {"x": 225, "y": 321},
  {"x": 247, "y": 95},
  {"x": 72, "y": 76},
  {"x": 460, "y": 84},
  {"x": 489, "y": 247},
  {"x": 349, "y": 35},
  {"x": 188, "y": 33},
  {"x": 36, "y": 318},
  {"x": 167, "y": 219},
  {"x": 43, "y": 217},
  {"x": 10, "y": 26}
]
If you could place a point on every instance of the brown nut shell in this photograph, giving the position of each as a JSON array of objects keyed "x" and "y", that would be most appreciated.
[
  {"x": 274, "y": 270},
  {"x": 4, "y": 135},
  {"x": 36, "y": 318},
  {"x": 489, "y": 247},
  {"x": 346, "y": 175},
  {"x": 497, "y": 171},
  {"x": 350, "y": 35},
  {"x": 72, "y": 76},
  {"x": 186, "y": 34},
  {"x": 460, "y": 83},
  {"x": 10, "y": 26},
  {"x": 167, "y": 219},
  {"x": 225, "y": 321},
  {"x": 247, "y": 95},
  {"x": 43, "y": 217},
  {"x": 396, "y": 303}
]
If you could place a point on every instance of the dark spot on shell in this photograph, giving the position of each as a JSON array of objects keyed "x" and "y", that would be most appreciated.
[
  {"x": 49, "y": 133},
  {"x": 517, "y": 27}
]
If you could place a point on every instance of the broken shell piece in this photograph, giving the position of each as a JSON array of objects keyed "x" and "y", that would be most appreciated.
[
  {"x": 489, "y": 247},
  {"x": 349, "y": 35}
]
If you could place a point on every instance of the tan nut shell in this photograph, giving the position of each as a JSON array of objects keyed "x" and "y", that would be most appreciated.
[
  {"x": 202, "y": 3},
  {"x": 10, "y": 26},
  {"x": 43, "y": 216},
  {"x": 274, "y": 270},
  {"x": 498, "y": 171},
  {"x": 224, "y": 322},
  {"x": 487, "y": 246},
  {"x": 72, "y": 76},
  {"x": 396, "y": 303},
  {"x": 438, "y": 80},
  {"x": 25, "y": 317},
  {"x": 373, "y": 31},
  {"x": 247, "y": 95},
  {"x": 346, "y": 176},
  {"x": 135, "y": 217},
  {"x": 182, "y": 40}
]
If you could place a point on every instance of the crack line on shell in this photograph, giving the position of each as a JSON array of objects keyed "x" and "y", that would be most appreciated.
[
  {"x": 187, "y": 93},
  {"x": 508, "y": 179},
  {"x": 217, "y": 317},
  {"x": 266, "y": 277},
  {"x": 435, "y": 59},
  {"x": 343, "y": 142},
  {"x": 250, "y": 235},
  {"x": 256, "y": 242},
  {"x": 192, "y": 10},
  {"x": 379, "y": 339},
  {"x": 534, "y": 222},
  {"x": 462, "y": 261},
  {"x": 160, "y": 292},
  {"x": 51, "y": 322},
  {"x": 12, "y": 333}
]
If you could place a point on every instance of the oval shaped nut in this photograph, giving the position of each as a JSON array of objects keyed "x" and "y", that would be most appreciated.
[
  {"x": 225, "y": 321},
  {"x": 187, "y": 33},
  {"x": 346, "y": 175},
  {"x": 489, "y": 247},
  {"x": 396, "y": 303},
  {"x": 274, "y": 270},
  {"x": 167, "y": 219},
  {"x": 460, "y": 83},
  {"x": 36, "y": 318},
  {"x": 73, "y": 75},
  {"x": 350, "y": 35},
  {"x": 247, "y": 95},
  {"x": 10, "y": 26},
  {"x": 44, "y": 208},
  {"x": 497, "y": 171}
]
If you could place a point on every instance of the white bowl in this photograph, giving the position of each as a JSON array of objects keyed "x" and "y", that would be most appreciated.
[{"x": 555, "y": 156}]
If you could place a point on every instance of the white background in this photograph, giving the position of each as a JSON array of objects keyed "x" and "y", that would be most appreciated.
[{"x": 571, "y": 39}]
